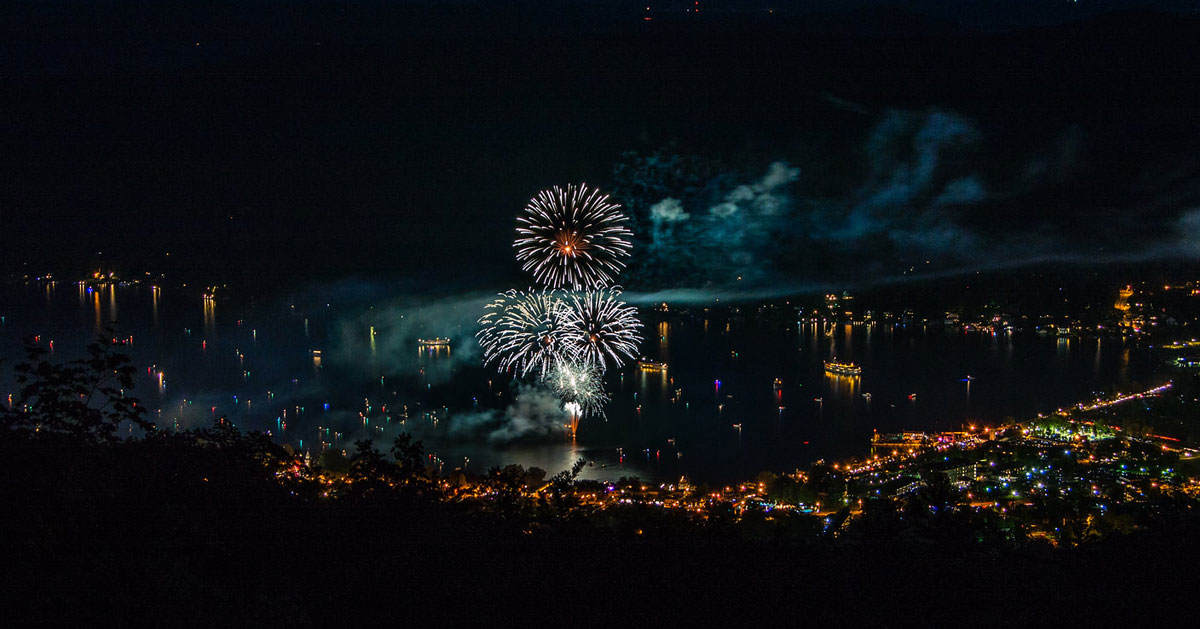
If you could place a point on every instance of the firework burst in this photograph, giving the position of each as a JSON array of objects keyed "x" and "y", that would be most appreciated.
[
  {"x": 579, "y": 384},
  {"x": 606, "y": 329},
  {"x": 526, "y": 331},
  {"x": 573, "y": 238}
]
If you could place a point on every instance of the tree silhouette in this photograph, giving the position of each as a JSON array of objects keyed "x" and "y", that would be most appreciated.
[
  {"x": 332, "y": 463},
  {"x": 507, "y": 484},
  {"x": 938, "y": 495},
  {"x": 410, "y": 457},
  {"x": 83, "y": 399},
  {"x": 370, "y": 473}
]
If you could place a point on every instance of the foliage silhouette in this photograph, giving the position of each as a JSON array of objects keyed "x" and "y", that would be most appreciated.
[{"x": 84, "y": 399}]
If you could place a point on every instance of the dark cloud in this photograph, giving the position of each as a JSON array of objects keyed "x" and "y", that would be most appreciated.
[{"x": 919, "y": 192}]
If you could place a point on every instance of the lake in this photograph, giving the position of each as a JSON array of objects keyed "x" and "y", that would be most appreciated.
[{"x": 328, "y": 366}]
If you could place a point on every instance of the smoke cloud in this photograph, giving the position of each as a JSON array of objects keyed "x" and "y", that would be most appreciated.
[
  {"x": 918, "y": 193},
  {"x": 400, "y": 322},
  {"x": 535, "y": 415},
  {"x": 668, "y": 211}
]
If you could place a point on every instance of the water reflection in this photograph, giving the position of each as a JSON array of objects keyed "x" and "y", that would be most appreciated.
[
  {"x": 434, "y": 364},
  {"x": 1123, "y": 370},
  {"x": 842, "y": 386},
  {"x": 96, "y": 308},
  {"x": 210, "y": 317},
  {"x": 649, "y": 411}
]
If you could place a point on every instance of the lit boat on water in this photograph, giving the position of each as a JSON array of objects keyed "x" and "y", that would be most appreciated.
[
  {"x": 436, "y": 341},
  {"x": 651, "y": 365},
  {"x": 843, "y": 369}
]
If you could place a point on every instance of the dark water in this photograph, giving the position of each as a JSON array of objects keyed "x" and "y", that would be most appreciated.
[{"x": 254, "y": 363}]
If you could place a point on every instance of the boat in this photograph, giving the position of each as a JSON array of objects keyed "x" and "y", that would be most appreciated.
[
  {"x": 436, "y": 341},
  {"x": 651, "y": 365},
  {"x": 843, "y": 369}
]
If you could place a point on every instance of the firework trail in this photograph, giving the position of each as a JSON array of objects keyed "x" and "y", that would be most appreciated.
[
  {"x": 575, "y": 413},
  {"x": 573, "y": 238},
  {"x": 526, "y": 331},
  {"x": 606, "y": 330}
]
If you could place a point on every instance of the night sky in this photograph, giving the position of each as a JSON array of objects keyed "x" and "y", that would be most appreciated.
[{"x": 280, "y": 142}]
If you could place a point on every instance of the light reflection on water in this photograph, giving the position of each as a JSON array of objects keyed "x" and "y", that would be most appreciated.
[{"x": 259, "y": 365}]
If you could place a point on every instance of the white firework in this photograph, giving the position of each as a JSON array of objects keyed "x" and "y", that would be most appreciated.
[
  {"x": 606, "y": 330},
  {"x": 580, "y": 386},
  {"x": 573, "y": 237},
  {"x": 526, "y": 331}
]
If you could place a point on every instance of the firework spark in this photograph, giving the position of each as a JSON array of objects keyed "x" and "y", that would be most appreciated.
[
  {"x": 579, "y": 384},
  {"x": 573, "y": 238},
  {"x": 526, "y": 331},
  {"x": 606, "y": 330}
]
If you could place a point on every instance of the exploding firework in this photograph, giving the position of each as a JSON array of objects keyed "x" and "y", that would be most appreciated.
[
  {"x": 573, "y": 238},
  {"x": 581, "y": 388},
  {"x": 606, "y": 329},
  {"x": 579, "y": 384},
  {"x": 526, "y": 331}
]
